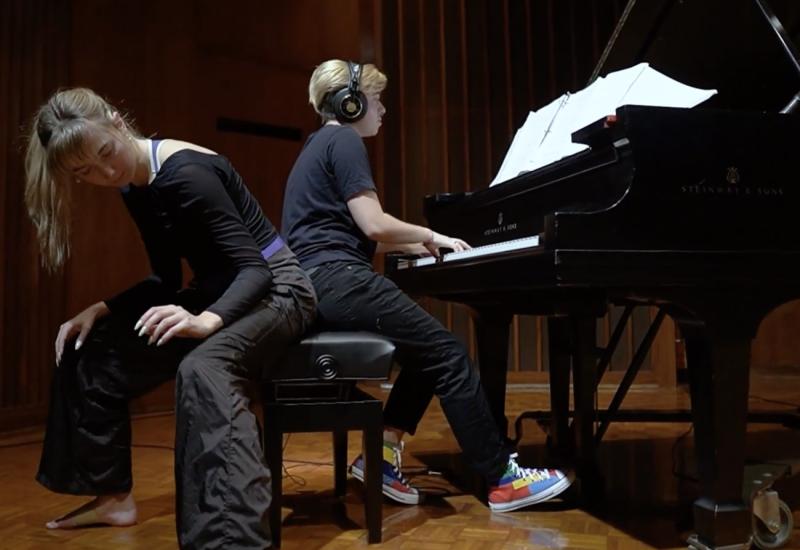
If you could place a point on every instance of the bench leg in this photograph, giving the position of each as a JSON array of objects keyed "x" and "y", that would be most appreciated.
[
  {"x": 339, "y": 462},
  {"x": 373, "y": 456},
  {"x": 273, "y": 447}
]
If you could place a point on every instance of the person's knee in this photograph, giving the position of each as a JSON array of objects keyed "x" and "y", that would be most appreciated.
[
  {"x": 193, "y": 372},
  {"x": 451, "y": 352},
  {"x": 457, "y": 373},
  {"x": 96, "y": 347},
  {"x": 201, "y": 378}
]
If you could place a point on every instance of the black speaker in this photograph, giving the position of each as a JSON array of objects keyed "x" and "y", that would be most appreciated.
[{"x": 349, "y": 104}]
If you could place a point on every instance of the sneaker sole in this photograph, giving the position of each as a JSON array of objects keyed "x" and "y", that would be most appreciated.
[
  {"x": 396, "y": 496},
  {"x": 551, "y": 492}
]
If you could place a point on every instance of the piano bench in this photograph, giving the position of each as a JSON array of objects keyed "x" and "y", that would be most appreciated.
[{"x": 313, "y": 389}]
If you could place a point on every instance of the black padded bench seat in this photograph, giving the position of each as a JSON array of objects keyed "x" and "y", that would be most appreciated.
[{"x": 335, "y": 356}]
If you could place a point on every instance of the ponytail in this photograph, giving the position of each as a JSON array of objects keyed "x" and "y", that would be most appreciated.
[{"x": 47, "y": 203}]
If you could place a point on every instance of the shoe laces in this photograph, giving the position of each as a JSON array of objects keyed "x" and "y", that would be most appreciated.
[
  {"x": 534, "y": 474},
  {"x": 397, "y": 463}
]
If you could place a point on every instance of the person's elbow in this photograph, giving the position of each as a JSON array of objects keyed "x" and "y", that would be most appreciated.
[
  {"x": 369, "y": 216},
  {"x": 258, "y": 277},
  {"x": 377, "y": 228},
  {"x": 374, "y": 231},
  {"x": 263, "y": 274}
]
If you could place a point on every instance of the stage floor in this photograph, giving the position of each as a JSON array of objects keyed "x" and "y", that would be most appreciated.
[{"x": 647, "y": 467}]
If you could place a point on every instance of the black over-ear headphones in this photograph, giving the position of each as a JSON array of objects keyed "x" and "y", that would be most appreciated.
[{"x": 349, "y": 104}]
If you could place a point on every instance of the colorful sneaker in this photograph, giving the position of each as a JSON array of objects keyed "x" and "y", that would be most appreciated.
[
  {"x": 520, "y": 487},
  {"x": 395, "y": 486}
]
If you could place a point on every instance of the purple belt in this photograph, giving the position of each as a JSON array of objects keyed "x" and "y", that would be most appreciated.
[{"x": 272, "y": 248}]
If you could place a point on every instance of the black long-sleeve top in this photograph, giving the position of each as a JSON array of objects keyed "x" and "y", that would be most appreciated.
[{"x": 198, "y": 208}]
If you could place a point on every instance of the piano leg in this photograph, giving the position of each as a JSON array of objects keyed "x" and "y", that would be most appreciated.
[
  {"x": 572, "y": 341},
  {"x": 718, "y": 362},
  {"x": 560, "y": 363},
  {"x": 584, "y": 383},
  {"x": 492, "y": 332}
]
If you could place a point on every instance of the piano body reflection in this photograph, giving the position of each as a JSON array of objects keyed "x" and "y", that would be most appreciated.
[{"x": 696, "y": 211}]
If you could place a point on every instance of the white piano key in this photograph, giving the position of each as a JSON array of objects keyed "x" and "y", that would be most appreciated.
[{"x": 477, "y": 252}]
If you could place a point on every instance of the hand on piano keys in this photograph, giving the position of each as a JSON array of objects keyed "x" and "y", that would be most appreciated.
[
  {"x": 525, "y": 243},
  {"x": 439, "y": 242}
]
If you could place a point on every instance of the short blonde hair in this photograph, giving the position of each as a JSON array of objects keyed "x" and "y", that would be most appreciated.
[
  {"x": 55, "y": 138},
  {"x": 331, "y": 76}
]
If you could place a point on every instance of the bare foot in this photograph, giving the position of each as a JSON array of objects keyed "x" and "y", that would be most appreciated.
[{"x": 116, "y": 510}]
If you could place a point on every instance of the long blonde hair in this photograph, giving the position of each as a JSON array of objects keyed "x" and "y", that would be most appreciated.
[
  {"x": 56, "y": 138},
  {"x": 333, "y": 75}
]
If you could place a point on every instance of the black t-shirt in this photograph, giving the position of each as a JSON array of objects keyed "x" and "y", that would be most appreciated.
[
  {"x": 198, "y": 208},
  {"x": 332, "y": 167}
]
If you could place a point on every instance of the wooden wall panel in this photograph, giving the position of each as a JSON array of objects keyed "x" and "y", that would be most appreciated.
[
  {"x": 178, "y": 67},
  {"x": 32, "y": 63},
  {"x": 777, "y": 347}
]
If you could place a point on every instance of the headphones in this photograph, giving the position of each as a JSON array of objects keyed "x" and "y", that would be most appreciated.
[{"x": 349, "y": 104}]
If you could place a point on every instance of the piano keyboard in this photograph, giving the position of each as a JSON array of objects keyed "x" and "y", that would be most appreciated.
[{"x": 477, "y": 252}]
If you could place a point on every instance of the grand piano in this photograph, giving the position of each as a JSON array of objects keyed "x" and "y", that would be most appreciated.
[{"x": 692, "y": 210}]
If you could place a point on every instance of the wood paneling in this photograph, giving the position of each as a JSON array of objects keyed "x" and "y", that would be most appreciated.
[
  {"x": 177, "y": 67},
  {"x": 33, "y": 62},
  {"x": 777, "y": 346}
]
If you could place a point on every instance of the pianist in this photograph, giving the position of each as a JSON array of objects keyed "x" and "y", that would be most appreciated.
[{"x": 334, "y": 222}]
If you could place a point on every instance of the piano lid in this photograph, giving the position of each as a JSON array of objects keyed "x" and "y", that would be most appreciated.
[{"x": 743, "y": 48}]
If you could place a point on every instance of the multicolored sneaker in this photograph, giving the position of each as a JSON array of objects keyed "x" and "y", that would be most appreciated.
[
  {"x": 520, "y": 487},
  {"x": 395, "y": 486}
]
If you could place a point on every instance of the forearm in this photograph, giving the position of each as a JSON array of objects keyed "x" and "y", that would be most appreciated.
[
  {"x": 405, "y": 248},
  {"x": 100, "y": 309},
  {"x": 249, "y": 287},
  {"x": 387, "y": 229}
]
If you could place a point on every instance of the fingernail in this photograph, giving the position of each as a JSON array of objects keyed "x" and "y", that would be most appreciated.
[
  {"x": 143, "y": 331},
  {"x": 160, "y": 341},
  {"x": 51, "y": 524},
  {"x": 78, "y": 345},
  {"x": 137, "y": 325}
]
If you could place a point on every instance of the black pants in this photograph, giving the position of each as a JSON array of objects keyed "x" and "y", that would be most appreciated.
[
  {"x": 222, "y": 482},
  {"x": 354, "y": 297}
]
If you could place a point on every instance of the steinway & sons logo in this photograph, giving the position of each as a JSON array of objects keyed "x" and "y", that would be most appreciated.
[
  {"x": 732, "y": 186},
  {"x": 500, "y": 228},
  {"x": 732, "y": 176}
]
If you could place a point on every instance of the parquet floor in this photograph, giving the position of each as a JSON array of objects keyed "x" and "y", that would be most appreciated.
[{"x": 647, "y": 469}]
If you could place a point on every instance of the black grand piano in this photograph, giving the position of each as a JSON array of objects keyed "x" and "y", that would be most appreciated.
[{"x": 696, "y": 211}]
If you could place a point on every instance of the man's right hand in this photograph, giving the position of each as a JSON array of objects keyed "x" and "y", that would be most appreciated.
[{"x": 443, "y": 241}]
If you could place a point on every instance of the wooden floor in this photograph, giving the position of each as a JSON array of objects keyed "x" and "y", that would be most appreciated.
[{"x": 647, "y": 466}]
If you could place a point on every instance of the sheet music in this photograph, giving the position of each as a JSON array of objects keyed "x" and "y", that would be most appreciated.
[
  {"x": 656, "y": 89},
  {"x": 546, "y": 136},
  {"x": 529, "y": 138}
]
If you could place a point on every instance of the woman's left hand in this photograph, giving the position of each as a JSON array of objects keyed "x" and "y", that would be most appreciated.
[{"x": 162, "y": 323}]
